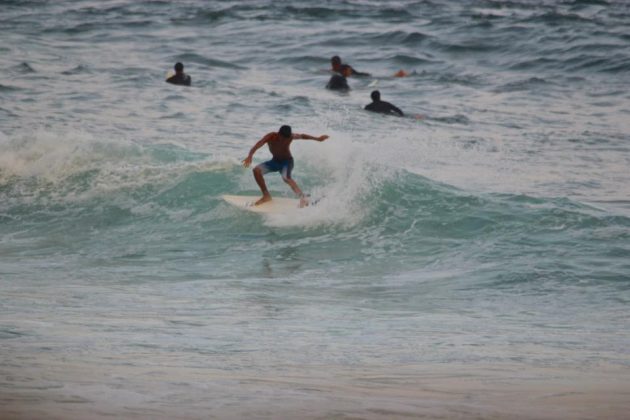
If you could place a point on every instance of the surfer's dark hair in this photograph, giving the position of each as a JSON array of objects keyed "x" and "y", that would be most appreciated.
[
  {"x": 376, "y": 95},
  {"x": 179, "y": 67},
  {"x": 335, "y": 59},
  {"x": 285, "y": 131}
]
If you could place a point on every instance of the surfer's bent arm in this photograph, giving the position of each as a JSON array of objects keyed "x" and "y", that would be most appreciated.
[
  {"x": 397, "y": 110},
  {"x": 354, "y": 72},
  {"x": 309, "y": 137},
  {"x": 260, "y": 143}
]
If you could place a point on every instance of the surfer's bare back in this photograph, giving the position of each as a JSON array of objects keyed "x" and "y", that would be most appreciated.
[{"x": 279, "y": 145}]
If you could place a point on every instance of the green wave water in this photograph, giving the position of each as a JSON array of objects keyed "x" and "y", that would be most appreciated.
[{"x": 166, "y": 203}]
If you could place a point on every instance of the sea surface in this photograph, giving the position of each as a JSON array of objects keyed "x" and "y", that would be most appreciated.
[{"x": 469, "y": 260}]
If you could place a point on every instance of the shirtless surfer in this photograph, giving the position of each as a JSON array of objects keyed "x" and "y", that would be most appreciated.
[{"x": 282, "y": 161}]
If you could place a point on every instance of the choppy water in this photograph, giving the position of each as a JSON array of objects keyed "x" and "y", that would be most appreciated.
[{"x": 454, "y": 265}]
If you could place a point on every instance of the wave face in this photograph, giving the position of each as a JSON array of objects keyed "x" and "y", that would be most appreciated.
[
  {"x": 486, "y": 234},
  {"x": 374, "y": 220}
]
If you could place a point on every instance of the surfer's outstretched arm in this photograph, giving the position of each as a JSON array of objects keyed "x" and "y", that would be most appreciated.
[
  {"x": 359, "y": 73},
  {"x": 309, "y": 137},
  {"x": 260, "y": 143}
]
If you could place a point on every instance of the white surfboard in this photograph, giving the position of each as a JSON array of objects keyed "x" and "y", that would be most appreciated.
[{"x": 276, "y": 205}]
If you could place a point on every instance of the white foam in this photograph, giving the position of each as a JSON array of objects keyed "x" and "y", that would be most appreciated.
[
  {"x": 345, "y": 175},
  {"x": 48, "y": 159}
]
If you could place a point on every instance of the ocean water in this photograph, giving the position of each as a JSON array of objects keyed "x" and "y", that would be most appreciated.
[{"x": 472, "y": 263}]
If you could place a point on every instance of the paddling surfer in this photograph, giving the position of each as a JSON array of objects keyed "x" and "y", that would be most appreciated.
[
  {"x": 382, "y": 107},
  {"x": 179, "y": 78},
  {"x": 279, "y": 145},
  {"x": 338, "y": 82}
]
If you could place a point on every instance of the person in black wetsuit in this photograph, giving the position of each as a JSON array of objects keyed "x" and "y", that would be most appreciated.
[
  {"x": 345, "y": 70},
  {"x": 338, "y": 82},
  {"x": 179, "y": 78},
  {"x": 382, "y": 107}
]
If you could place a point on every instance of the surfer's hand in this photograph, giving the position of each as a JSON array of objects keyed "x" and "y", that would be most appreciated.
[
  {"x": 247, "y": 161},
  {"x": 322, "y": 138}
]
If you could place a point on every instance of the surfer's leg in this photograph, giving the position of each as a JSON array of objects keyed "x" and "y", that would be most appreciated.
[
  {"x": 294, "y": 187},
  {"x": 260, "y": 180},
  {"x": 287, "y": 167},
  {"x": 297, "y": 191}
]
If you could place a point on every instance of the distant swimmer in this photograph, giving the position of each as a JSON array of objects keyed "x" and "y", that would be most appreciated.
[
  {"x": 382, "y": 107},
  {"x": 345, "y": 70},
  {"x": 281, "y": 161},
  {"x": 338, "y": 82},
  {"x": 179, "y": 78}
]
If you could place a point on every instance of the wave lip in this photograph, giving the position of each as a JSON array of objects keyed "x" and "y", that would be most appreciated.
[
  {"x": 400, "y": 38},
  {"x": 528, "y": 84},
  {"x": 206, "y": 61},
  {"x": 8, "y": 89},
  {"x": 406, "y": 59}
]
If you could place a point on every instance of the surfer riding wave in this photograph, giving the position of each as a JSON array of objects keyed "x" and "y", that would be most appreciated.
[{"x": 282, "y": 161}]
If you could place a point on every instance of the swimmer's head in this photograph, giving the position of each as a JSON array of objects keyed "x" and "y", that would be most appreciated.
[
  {"x": 285, "y": 131},
  {"x": 179, "y": 67},
  {"x": 376, "y": 95},
  {"x": 345, "y": 70},
  {"x": 335, "y": 61}
]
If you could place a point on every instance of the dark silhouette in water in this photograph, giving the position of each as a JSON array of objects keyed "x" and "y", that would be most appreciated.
[
  {"x": 179, "y": 78},
  {"x": 337, "y": 82},
  {"x": 382, "y": 107}
]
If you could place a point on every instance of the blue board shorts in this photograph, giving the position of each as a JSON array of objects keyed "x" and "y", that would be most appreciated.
[{"x": 283, "y": 166}]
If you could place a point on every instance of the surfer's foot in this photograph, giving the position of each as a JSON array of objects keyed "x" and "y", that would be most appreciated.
[
  {"x": 264, "y": 199},
  {"x": 303, "y": 202}
]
